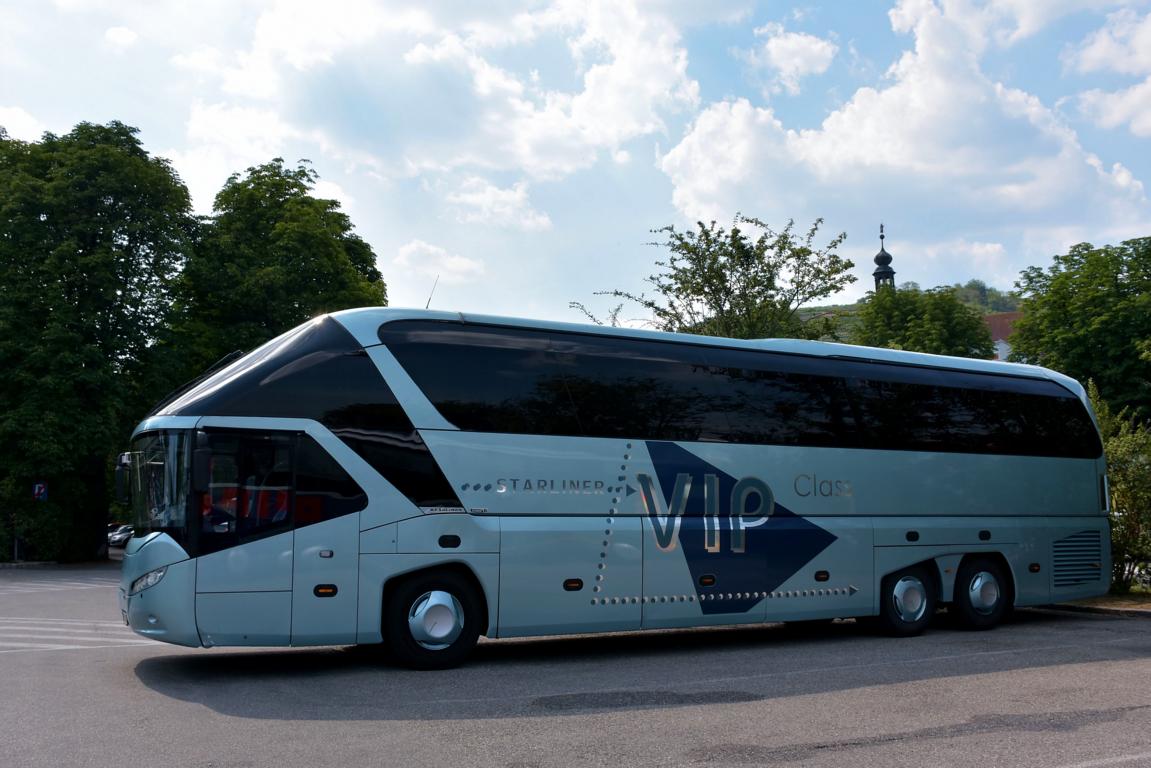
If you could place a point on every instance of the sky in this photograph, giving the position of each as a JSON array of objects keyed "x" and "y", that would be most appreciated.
[{"x": 523, "y": 152}]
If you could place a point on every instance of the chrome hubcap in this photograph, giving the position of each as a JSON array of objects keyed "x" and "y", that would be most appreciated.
[
  {"x": 910, "y": 599},
  {"x": 983, "y": 593},
  {"x": 435, "y": 620}
]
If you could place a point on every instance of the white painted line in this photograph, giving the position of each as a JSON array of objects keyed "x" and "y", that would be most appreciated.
[
  {"x": 77, "y": 630},
  {"x": 61, "y": 621},
  {"x": 73, "y": 638},
  {"x": 73, "y": 647},
  {"x": 1110, "y": 761}
]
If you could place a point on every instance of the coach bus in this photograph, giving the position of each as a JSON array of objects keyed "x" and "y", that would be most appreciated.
[{"x": 419, "y": 479}]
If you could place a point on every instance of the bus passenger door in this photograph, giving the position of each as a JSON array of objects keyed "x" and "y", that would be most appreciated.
[
  {"x": 327, "y": 549},
  {"x": 244, "y": 576}
]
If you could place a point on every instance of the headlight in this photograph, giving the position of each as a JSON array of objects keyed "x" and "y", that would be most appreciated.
[{"x": 149, "y": 579}]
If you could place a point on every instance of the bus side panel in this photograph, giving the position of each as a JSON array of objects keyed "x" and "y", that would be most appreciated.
[
  {"x": 377, "y": 569},
  {"x": 1080, "y": 557},
  {"x": 1049, "y": 559},
  {"x": 541, "y": 560},
  {"x": 837, "y": 583},
  {"x": 775, "y": 579},
  {"x": 244, "y": 618}
]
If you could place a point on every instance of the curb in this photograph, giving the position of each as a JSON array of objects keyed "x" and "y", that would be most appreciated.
[
  {"x": 1133, "y": 613},
  {"x": 27, "y": 564}
]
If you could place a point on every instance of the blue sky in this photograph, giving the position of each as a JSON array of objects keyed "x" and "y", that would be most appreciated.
[{"x": 522, "y": 151}]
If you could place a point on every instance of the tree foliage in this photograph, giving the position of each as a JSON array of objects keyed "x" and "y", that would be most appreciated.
[
  {"x": 92, "y": 232},
  {"x": 271, "y": 257},
  {"x": 977, "y": 294},
  {"x": 724, "y": 282},
  {"x": 1089, "y": 316},
  {"x": 1127, "y": 444},
  {"x": 934, "y": 321}
]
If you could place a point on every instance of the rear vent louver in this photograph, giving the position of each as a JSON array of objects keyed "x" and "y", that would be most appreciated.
[{"x": 1078, "y": 559}]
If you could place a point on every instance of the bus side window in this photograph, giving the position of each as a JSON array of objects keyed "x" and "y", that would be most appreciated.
[{"x": 323, "y": 489}]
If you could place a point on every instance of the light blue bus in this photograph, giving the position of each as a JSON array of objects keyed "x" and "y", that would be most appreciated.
[{"x": 420, "y": 479}]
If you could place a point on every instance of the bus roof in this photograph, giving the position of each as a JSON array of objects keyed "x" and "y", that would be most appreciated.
[{"x": 364, "y": 323}]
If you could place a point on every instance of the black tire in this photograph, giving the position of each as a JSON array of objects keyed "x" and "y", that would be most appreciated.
[
  {"x": 907, "y": 601},
  {"x": 982, "y": 594},
  {"x": 454, "y": 600}
]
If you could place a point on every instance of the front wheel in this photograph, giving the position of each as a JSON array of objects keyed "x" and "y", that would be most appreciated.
[
  {"x": 981, "y": 598},
  {"x": 432, "y": 620},
  {"x": 907, "y": 601}
]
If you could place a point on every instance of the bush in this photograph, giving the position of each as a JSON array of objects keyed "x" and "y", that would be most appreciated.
[{"x": 1127, "y": 444}]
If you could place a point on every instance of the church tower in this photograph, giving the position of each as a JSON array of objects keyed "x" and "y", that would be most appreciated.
[{"x": 884, "y": 274}]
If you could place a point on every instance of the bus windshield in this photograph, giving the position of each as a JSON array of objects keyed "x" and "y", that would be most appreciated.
[{"x": 159, "y": 470}]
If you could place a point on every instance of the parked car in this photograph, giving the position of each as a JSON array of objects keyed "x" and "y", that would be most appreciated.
[{"x": 120, "y": 536}]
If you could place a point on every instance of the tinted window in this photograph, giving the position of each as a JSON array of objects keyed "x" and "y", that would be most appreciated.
[
  {"x": 486, "y": 379},
  {"x": 781, "y": 400},
  {"x": 250, "y": 489},
  {"x": 491, "y": 379},
  {"x": 638, "y": 389},
  {"x": 906, "y": 408},
  {"x": 320, "y": 372},
  {"x": 323, "y": 489}
]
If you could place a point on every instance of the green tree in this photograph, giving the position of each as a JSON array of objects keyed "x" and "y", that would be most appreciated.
[
  {"x": 271, "y": 257},
  {"x": 722, "y": 282},
  {"x": 1127, "y": 444},
  {"x": 92, "y": 233},
  {"x": 934, "y": 321},
  {"x": 976, "y": 293},
  {"x": 1089, "y": 315}
]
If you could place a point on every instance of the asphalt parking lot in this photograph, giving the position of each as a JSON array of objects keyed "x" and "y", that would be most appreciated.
[{"x": 1050, "y": 688}]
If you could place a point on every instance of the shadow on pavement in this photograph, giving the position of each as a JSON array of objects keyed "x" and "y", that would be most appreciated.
[{"x": 550, "y": 676}]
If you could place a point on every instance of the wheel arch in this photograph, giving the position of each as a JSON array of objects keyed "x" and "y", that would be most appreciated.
[
  {"x": 999, "y": 559},
  {"x": 461, "y": 569}
]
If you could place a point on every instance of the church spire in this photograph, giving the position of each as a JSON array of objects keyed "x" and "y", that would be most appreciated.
[{"x": 884, "y": 274}]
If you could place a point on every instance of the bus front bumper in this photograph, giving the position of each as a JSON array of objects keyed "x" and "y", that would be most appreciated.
[{"x": 166, "y": 611}]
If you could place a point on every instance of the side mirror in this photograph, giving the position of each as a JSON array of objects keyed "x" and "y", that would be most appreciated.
[
  {"x": 201, "y": 470},
  {"x": 123, "y": 478}
]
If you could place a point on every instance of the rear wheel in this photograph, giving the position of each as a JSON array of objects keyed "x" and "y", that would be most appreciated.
[
  {"x": 432, "y": 620},
  {"x": 907, "y": 601},
  {"x": 981, "y": 594}
]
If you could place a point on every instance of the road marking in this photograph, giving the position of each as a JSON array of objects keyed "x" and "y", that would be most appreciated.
[
  {"x": 45, "y": 647},
  {"x": 62, "y": 621},
  {"x": 56, "y": 636},
  {"x": 21, "y": 587},
  {"x": 19, "y": 634},
  {"x": 1110, "y": 761}
]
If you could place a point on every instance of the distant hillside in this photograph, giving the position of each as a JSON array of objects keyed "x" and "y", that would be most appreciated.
[{"x": 974, "y": 293}]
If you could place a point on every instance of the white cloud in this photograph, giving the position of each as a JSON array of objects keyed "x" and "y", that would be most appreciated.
[
  {"x": 1123, "y": 46},
  {"x": 330, "y": 190},
  {"x": 223, "y": 139},
  {"x": 301, "y": 35},
  {"x": 420, "y": 258},
  {"x": 20, "y": 124},
  {"x": 480, "y": 202},
  {"x": 1112, "y": 109},
  {"x": 1008, "y": 22},
  {"x": 993, "y": 156},
  {"x": 120, "y": 38},
  {"x": 634, "y": 70},
  {"x": 792, "y": 56},
  {"x": 989, "y": 261}
]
